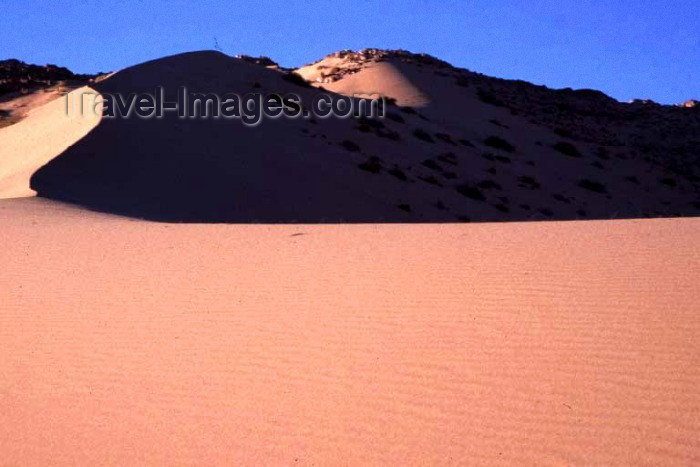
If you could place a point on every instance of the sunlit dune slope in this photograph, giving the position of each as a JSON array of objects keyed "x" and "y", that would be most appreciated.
[{"x": 47, "y": 131}]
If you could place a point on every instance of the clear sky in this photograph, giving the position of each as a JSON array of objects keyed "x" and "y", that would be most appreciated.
[{"x": 626, "y": 48}]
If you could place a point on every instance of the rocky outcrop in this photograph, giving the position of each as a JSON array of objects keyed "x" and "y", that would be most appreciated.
[
  {"x": 351, "y": 62},
  {"x": 260, "y": 61},
  {"x": 17, "y": 76}
]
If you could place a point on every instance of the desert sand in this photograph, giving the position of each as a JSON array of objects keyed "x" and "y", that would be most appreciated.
[
  {"x": 131, "y": 342},
  {"x": 145, "y": 318},
  {"x": 46, "y": 131}
]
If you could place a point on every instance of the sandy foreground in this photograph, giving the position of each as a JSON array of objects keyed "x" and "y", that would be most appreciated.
[{"x": 128, "y": 342}]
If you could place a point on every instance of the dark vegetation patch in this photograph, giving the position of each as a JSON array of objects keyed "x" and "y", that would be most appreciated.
[
  {"x": 446, "y": 138},
  {"x": 448, "y": 158},
  {"x": 488, "y": 97},
  {"x": 432, "y": 180},
  {"x": 564, "y": 133},
  {"x": 502, "y": 159},
  {"x": 567, "y": 149},
  {"x": 489, "y": 185},
  {"x": 562, "y": 198},
  {"x": 466, "y": 142},
  {"x": 295, "y": 78},
  {"x": 471, "y": 192},
  {"x": 350, "y": 146},
  {"x": 632, "y": 179},
  {"x": 462, "y": 82},
  {"x": 431, "y": 164},
  {"x": 499, "y": 143},
  {"x": 405, "y": 207},
  {"x": 592, "y": 186},
  {"x": 669, "y": 182},
  {"x": 389, "y": 134},
  {"x": 370, "y": 122},
  {"x": 525, "y": 181},
  {"x": 423, "y": 135},
  {"x": 371, "y": 165},
  {"x": 398, "y": 173},
  {"x": 498, "y": 123}
]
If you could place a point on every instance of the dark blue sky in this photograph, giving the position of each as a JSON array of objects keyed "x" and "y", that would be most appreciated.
[{"x": 626, "y": 48}]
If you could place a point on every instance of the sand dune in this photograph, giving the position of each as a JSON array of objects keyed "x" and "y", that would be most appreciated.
[
  {"x": 387, "y": 79},
  {"x": 31, "y": 143},
  {"x": 214, "y": 171},
  {"x": 473, "y": 149},
  {"x": 127, "y": 342},
  {"x": 134, "y": 342},
  {"x": 186, "y": 341}
]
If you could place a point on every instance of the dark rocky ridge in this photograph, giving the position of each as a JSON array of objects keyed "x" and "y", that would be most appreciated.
[{"x": 17, "y": 76}]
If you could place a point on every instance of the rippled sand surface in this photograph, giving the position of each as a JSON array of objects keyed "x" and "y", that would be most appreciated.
[{"x": 128, "y": 342}]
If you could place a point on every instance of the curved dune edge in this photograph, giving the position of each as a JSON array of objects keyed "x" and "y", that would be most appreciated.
[
  {"x": 127, "y": 342},
  {"x": 44, "y": 134}
]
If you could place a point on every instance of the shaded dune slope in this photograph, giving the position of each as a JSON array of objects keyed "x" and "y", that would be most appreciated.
[{"x": 206, "y": 170}]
